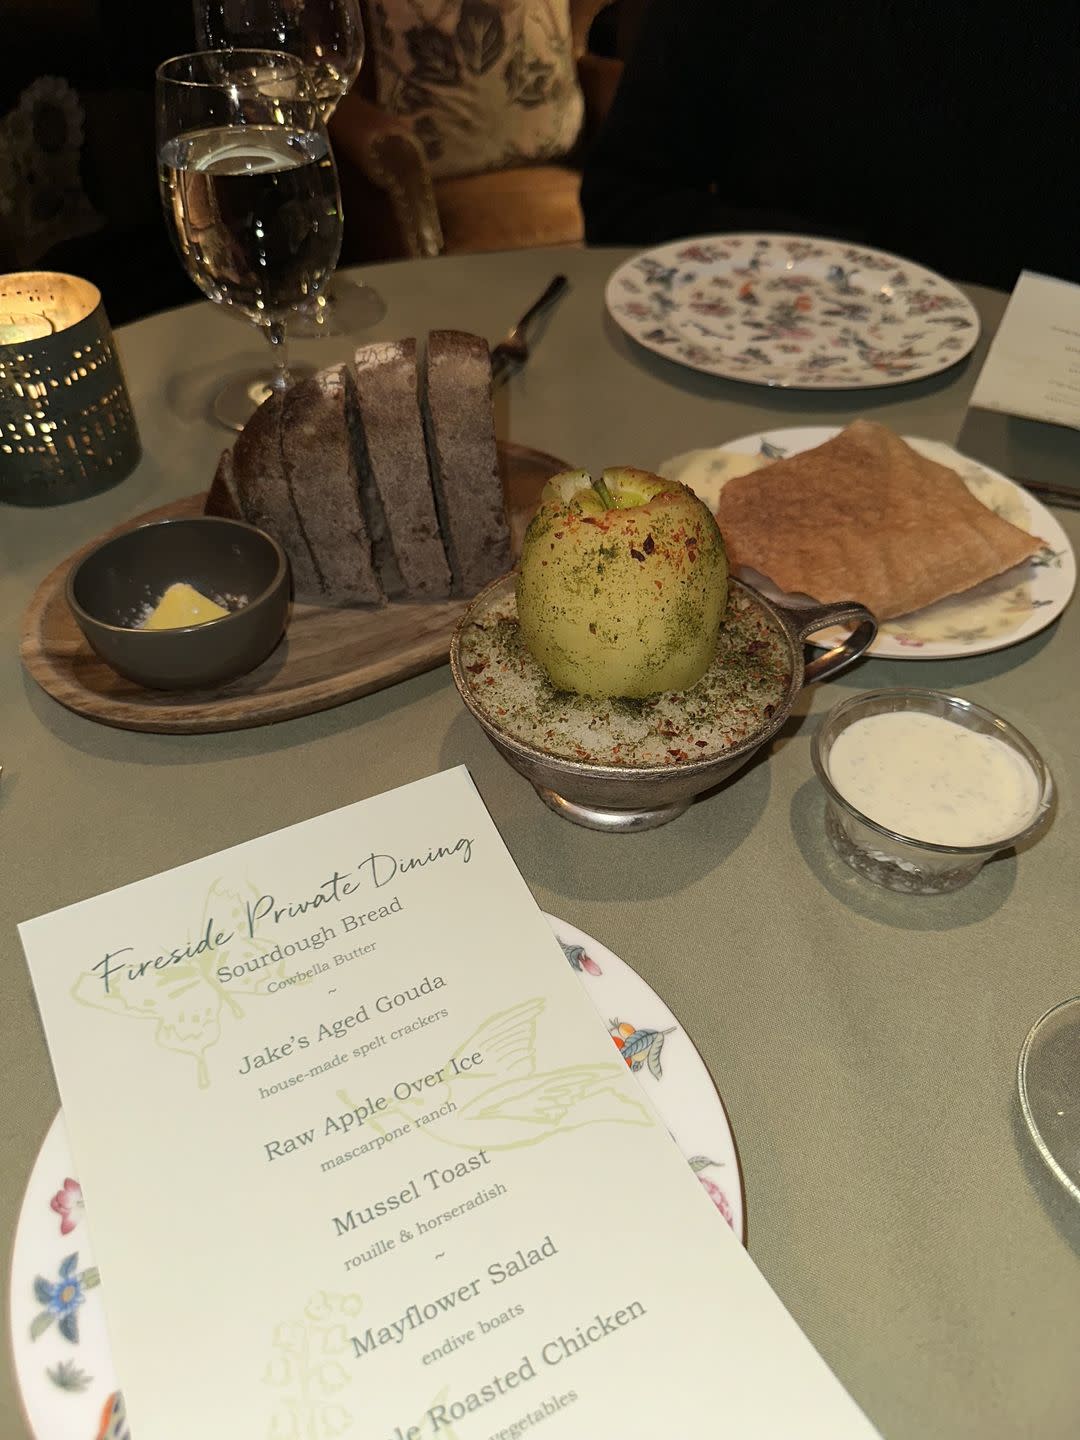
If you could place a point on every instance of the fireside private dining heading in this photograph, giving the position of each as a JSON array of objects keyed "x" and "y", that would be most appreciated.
[{"x": 376, "y": 870}]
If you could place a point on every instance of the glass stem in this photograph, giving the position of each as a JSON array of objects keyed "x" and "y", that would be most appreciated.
[{"x": 275, "y": 334}]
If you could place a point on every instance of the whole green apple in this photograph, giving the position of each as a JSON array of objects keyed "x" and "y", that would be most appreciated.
[{"x": 622, "y": 584}]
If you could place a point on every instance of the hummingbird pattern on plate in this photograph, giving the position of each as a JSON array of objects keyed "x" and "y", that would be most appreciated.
[{"x": 640, "y": 1046}]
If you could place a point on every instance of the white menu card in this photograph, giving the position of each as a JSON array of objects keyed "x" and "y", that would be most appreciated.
[
  {"x": 1033, "y": 366},
  {"x": 360, "y": 1159}
]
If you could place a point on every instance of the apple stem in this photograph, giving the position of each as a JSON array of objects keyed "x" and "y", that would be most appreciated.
[{"x": 606, "y": 497}]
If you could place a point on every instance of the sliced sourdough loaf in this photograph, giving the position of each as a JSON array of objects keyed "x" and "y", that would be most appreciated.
[
  {"x": 223, "y": 499},
  {"x": 264, "y": 494},
  {"x": 320, "y": 415},
  {"x": 395, "y": 484},
  {"x": 455, "y": 399}
]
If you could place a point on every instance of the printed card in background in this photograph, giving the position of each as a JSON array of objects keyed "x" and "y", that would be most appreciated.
[{"x": 1033, "y": 365}]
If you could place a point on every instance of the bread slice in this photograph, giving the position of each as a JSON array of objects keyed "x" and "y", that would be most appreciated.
[
  {"x": 318, "y": 419},
  {"x": 260, "y": 484},
  {"x": 455, "y": 400},
  {"x": 222, "y": 498},
  {"x": 395, "y": 484}
]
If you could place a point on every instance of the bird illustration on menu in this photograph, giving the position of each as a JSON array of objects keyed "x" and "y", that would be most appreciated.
[{"x": 504, "y": 1101}]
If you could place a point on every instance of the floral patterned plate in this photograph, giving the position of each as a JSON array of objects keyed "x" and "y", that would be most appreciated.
[
  {"x": 1001, "y": 611},
  {"x": 61, "y": 1348},
  {"x": 792, "y": 311}
]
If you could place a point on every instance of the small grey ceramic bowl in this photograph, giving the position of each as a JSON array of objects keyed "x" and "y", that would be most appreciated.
[{"x": 113, "y": 587}]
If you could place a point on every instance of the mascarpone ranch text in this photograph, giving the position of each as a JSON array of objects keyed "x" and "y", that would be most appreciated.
[{"x": 427, "y": 1088}]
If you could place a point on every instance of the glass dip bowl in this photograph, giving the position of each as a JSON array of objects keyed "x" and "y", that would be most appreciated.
[{"x": 905, "y": 862}]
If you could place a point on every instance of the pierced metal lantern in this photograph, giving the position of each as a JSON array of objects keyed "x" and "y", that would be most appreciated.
[{"x": 66, "y": 425}]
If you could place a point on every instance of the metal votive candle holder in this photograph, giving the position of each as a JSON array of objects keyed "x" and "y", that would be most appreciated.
[{"x": 66, "y": 425}]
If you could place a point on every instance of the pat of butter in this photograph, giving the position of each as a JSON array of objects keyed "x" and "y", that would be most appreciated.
[{"x": 182, "y": 605}]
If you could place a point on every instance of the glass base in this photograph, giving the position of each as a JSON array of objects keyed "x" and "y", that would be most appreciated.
[
  {"x": 234, "y": 405},
  {"x": 910, "y": 871},
  {"x": 347, "y": 307},
  {"x": 1049, "y": 1083}
]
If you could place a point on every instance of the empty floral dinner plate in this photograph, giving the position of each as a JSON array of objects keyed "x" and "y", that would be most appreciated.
[
  {"x": 792, "y": 311},
  {"x": 59, "y": 1341}
]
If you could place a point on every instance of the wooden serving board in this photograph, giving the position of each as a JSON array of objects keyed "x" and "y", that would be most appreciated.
[{"x": 326, "y": 656}]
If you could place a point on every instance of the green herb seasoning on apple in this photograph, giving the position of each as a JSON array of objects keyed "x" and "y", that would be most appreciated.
[
  {"x": 622, "y": 584},
  {"x": 519, "y": 670}
]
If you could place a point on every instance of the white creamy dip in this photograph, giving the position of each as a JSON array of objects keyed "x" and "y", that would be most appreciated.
[{"x": 929, "y": 779}]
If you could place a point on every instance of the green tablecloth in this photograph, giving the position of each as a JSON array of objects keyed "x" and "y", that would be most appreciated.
[{"x": 864, "y": 1043}]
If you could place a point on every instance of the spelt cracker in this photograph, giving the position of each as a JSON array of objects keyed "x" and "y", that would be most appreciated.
[{"x": 864, "y": 517}]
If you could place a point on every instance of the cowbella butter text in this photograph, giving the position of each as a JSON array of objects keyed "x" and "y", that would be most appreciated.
[{"x": 266, "y": 913}]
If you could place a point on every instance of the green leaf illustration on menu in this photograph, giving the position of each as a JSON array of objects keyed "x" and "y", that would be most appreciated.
[
  {"x": 187, "y": 1002},
  {"x": 505, "y": 1102},
  {"x": 310, "y": 1370}
]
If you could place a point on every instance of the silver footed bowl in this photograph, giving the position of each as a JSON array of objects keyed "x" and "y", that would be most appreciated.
[{"x": 639, "y": 796}]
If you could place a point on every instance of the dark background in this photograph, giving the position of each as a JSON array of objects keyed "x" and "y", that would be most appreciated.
[{"x": 108, "y": 50}]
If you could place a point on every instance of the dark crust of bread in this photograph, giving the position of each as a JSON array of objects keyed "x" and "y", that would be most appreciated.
[
  {"x": 265, "y": 497},
  {"x": 392, "y": 462},
  {"x": 222, "y": 498},
  {"x": 320, "y": 471},
  {"x": 455, "y": 399}
]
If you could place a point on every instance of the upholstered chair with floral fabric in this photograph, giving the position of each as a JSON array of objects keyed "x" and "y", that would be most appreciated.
[
  {"x": 465, "y": 129},
  {"x": 42, "y": 200}
]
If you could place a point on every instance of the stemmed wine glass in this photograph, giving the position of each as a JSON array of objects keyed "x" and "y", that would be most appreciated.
[
  {"x": 328, "y": 36},
  {"x": 250, "y": 191}
]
